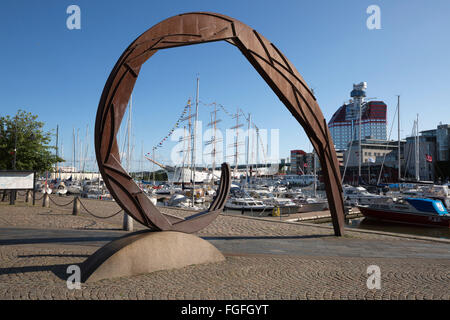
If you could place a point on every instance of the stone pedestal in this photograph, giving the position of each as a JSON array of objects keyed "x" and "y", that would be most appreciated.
[{"x": 144, "y": 252}]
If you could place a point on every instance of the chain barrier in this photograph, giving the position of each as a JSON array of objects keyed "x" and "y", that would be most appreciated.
[
  {"x": 36, "y": 199},
  {"x": 81, "y": 203},
  {"x": 61, "y": 205}
]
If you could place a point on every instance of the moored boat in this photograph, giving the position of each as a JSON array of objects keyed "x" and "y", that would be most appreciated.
[
  {"x": 417, "y": 211},
  {"x": 311, "y": 204},
  {"x": 248, "y": 204},
  {"x": 354, "y": 196},
  {"x": 60, "y": 189}
]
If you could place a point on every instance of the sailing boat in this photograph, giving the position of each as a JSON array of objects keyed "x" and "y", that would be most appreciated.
[
  {"x": 313, "y": 203},
  {"x": 179, "y": 175}
]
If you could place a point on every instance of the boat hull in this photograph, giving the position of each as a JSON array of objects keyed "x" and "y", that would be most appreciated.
[
  {"x": 406, "y": 218},
  {"x": 289, "y": 209},
  {"x": 254, "y": 209},
  {"x": 310, "y": 207}
]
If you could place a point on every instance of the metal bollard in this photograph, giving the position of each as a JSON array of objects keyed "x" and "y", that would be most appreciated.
[
  {"x": 46, "y": 200},
  {"x": 127, "y": 222},
  {"x": 76, "y": 206},
  {"x": 12, "y": 197}
]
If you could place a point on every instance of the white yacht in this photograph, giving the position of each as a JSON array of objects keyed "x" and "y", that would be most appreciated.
[
  {"x": 60, "y": 189},
  {"x": 286, "y": 205},
  {"x": 73, "y": 187},
  {"x": 43, "y": 187},
  {"x": 179, "y": 200},
  {"x": 247, "y": 204},
  {"x": 354, "y": 196}
]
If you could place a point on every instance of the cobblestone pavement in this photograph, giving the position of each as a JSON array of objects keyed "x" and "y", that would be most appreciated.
[
  {"x": 40, "y": 274},
  {"x": 29, "y": 271}
]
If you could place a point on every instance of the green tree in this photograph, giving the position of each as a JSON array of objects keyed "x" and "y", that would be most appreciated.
[{"x": 33, "y": 151}]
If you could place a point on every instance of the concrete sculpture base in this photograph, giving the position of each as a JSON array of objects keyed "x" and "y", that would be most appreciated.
[{"x": 145, "y": 252}]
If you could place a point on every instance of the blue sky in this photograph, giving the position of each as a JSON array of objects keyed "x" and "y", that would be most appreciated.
[{"x": 59, "y": 73}]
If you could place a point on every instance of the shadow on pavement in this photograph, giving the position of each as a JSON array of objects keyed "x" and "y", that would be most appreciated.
[
  {"x": 268, "y": 237},
  {"x": 59, "y": 270},
  {"x": 53, "y": 255},
  {"x": 55, "y": 240}
]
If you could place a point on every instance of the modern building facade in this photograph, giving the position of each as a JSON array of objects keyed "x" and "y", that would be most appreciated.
[
  {"x": 345, "y": 123},
  {"x": 379, "y": 161},
  {"x": 303, "y": 162},
  {"x": 374, "y": 151},
  {"x": 424, "y": 150},
  {"x": 443, "y": 142},
  {"x": 431, "y": 149},
  {"x": 298, "y": 159}
]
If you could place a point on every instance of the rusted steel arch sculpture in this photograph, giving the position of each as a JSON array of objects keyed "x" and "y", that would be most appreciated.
[{"x": 271, "y": 64}]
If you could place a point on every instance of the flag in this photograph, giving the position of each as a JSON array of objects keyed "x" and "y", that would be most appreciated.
[
  {"x": 429, "y": 158},
  {"x": 371, "y": 160}
]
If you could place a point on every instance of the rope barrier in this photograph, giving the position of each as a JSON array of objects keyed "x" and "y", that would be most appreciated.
[
  {"x": 62, "y": 205},
  {"x": 81, "y": 203},
  {"x": 99, "y": 216}
]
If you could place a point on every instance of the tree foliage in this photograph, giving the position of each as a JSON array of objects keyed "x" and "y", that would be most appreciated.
[{"x": 33, "y": 151}]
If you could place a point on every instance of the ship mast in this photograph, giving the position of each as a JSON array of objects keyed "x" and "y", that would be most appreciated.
[
  {"x": 213, "y": 141},
  {"x": 194, "y": 144},
  {"x": 127, "y": 220},
  {"x": 248, "y": 149},
  {"x": 236, "y": 141},
  {"x": 187, "y": 137},
  {"x": 183, "y": 155}
]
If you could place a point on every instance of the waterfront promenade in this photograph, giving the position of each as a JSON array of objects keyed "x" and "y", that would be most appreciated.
[{"x": 265, "y": 259}]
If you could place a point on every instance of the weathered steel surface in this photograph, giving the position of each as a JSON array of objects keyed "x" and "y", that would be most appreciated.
[{"x": 271, "y": 64}]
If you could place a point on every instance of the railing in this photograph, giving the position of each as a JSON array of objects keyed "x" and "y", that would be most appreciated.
[{"x": 76, "y": 203}]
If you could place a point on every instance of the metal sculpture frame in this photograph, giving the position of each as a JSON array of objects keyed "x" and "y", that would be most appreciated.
[{"x": 268, "y": 61}]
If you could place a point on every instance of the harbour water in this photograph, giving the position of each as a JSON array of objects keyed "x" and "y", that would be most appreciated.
[{"x": 370, "y": 224}]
